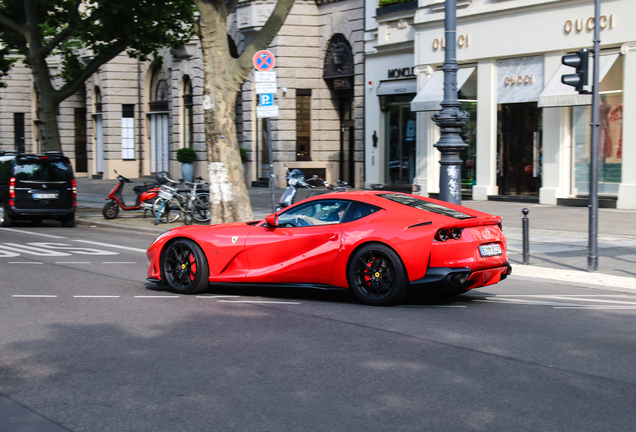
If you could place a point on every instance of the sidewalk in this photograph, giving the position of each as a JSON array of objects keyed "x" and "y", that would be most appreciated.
[{"x": 558, "y": 235}]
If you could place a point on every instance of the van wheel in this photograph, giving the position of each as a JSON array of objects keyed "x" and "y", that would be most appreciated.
[{"x": 5, "y": 219}]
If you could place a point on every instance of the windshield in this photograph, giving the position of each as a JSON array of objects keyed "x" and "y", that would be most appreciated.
[
  {"x": 425, "y": 205},
  {"x": 44, "y": 170}
]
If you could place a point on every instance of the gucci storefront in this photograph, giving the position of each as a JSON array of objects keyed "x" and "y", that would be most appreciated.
[{"x": 529, "y": 135}]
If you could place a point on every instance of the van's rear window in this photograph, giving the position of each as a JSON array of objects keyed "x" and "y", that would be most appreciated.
[
  {"x": 46, "y": 170},
  {"x": 425, "y": 205}
]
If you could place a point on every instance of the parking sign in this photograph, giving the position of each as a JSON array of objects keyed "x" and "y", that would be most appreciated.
[{"x": 266, "y": 99}]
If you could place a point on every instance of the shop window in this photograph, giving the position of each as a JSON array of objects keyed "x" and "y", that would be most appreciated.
[
  {"x": 400, "y": 139},
  {"x": 610, "y": 137},
  {"x": 128, "y": 131},
  {"x": 303, "y": 124}
]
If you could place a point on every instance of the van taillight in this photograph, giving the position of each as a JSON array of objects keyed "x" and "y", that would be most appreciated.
[
  {"x": 74, "y": 193},
  {"x": 12, "y": 191}
]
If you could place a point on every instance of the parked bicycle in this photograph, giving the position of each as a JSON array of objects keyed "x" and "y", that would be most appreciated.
[{"x": 190, "y": 203}]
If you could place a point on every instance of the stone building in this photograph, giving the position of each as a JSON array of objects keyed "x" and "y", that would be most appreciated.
[{"x": 133, "y": 116}]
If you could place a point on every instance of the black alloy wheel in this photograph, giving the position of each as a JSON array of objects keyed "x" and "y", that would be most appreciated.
[
  {"x": 376, "y": 275},
  {"x": 110, "y": 210},
  {"x": 185, "y": 268}
]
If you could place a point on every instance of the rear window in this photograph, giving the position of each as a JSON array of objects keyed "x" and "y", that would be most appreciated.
[
  {"x": 425, "y": 205},
  {"x": 43, "y": 170}
]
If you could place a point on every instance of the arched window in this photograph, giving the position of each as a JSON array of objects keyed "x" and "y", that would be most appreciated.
[{"x": 159, "y": 91}]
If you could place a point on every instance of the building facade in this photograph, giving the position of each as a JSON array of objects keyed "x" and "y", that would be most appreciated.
[
  {"x": 528, "y": 136},
  {"x": 133, "y": 116}
]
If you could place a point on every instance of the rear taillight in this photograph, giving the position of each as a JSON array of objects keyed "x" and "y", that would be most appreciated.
[
  {"x": 12, "y": 191},
  {"x": 74, "y": 193},
  {"x": 456, "y": 233},
  {"x": 441, "y": 235}
]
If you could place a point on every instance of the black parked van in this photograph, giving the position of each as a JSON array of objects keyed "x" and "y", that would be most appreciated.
[{"x": 35, "y": 187}]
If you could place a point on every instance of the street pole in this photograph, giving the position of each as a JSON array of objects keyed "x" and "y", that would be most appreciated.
[
  {"x": 592, "y": 250},
  {"x": 450, "y": 119},
  {"x": 270, "y": 153}
]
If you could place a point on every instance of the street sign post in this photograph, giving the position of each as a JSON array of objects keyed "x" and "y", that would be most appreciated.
[{"x": 265, "y": 86}]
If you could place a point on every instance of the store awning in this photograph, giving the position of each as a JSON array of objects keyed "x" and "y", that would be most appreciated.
[
  {"x": 431, "y": 95},
  {"x": 557, "y": 94},
  {"x": 397, "y": 87}
]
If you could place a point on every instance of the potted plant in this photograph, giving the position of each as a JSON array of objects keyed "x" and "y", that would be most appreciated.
[{"x": 187, "y": 156}]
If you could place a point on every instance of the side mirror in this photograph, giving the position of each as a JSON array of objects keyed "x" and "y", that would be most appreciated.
[{"x": 272, "y": 220}]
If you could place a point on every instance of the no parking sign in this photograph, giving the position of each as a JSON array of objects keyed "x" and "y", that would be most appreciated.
[{"x": 264, "y": 60}]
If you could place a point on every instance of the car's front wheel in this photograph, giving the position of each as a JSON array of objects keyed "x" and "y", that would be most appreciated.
[
  {"x": 376, "y": 275},
  {"x": 185, "y": 268}
]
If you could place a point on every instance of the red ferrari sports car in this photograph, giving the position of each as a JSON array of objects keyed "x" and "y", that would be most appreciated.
[{"x": 378, "y": 244}]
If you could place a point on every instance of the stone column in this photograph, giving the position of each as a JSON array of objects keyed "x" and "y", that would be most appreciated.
[
  {"x": 486, "y": 130},
  {"x": 627, "y": 188}
]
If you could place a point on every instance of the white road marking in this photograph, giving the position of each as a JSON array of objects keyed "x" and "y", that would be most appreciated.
[
  {"x": 24, "y": 262},
  {"x": 34, "y": 233},
  {"x": 112, "y": 245},
  {"x": 73, "y": 249},
  {"x": 151, "y": 296},
  {"x": 31, "y": 250},
  {"x": 119, "y": 262},
  {"x": 33, "y": 295},
  {"x": 596, "y": 307},
  {"x": 96, "y": 296},
  {"x": 257, "y": 301},
  {"x": 216, "y": 297},
  {"x": 522, "y": 302},
  {"x": 73, "y": 262}
]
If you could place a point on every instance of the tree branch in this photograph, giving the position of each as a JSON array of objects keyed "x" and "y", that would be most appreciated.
[
  {"x": 12, "y": 25},
  {"x": 71, "y": 87},
  {"x": 231, "y": 6},
  {"x": 266, "y": 34},
  {"x": 50, "y": 46}
]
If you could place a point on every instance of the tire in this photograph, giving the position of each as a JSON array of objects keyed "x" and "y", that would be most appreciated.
[
  {"x": 184, "y": 267},
  {"x": 68, "y": 221},
  {"x": 202, "y": 212},
  {"x": 5, "y": 219},
  {"x": 376, "y": 275},
  {"x": 110, "y": 210},
  {"x": 170, "y": 212}
]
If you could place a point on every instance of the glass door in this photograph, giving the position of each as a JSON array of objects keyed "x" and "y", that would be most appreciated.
[{"x": 400, "y": 141}]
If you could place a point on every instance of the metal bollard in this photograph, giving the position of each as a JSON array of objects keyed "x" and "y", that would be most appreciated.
[{"x": 525, "y": 224}]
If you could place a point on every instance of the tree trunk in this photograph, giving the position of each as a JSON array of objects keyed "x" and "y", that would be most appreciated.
[
  {"x": 222, "y": 82},
  {"x": 48, "y": 128},
  {"x": 224, "y": 76}
]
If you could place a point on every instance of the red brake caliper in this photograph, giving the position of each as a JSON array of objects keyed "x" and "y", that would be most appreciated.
[{"x": 193, "y": 267}]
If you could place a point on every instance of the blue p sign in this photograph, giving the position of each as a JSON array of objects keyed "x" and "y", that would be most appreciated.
[{"x": 266, "y": 99}]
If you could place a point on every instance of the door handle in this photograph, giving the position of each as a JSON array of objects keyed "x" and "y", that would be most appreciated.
[{"x": 333, "y": 237}]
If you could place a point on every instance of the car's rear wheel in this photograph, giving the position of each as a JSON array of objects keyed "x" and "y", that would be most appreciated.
[
  {"x": 110, "y": 210},
  {"x": 185, "y": 268},
  {"x": 376, "y": 275},
  {"x": 5, "y": 219}
]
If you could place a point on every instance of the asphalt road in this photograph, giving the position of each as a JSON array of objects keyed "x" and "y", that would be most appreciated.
[{"x": 88, "y": 345}]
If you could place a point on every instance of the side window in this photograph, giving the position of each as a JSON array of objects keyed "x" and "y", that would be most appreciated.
[
  {"x": 359, "y": 210},
  {"x": 5, "y": 170},
  {"x": 324, "y": 212}
]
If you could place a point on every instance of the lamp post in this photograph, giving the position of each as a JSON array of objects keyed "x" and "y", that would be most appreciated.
[{"x": 450, "y": 119}]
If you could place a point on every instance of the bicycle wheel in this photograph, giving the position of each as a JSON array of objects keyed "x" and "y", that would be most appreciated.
[
  {"x": 201, "y": 211},
  {"x": 170, "y": 212}
]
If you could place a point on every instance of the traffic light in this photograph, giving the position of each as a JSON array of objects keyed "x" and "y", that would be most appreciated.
[{"x": 580, "y": 62}]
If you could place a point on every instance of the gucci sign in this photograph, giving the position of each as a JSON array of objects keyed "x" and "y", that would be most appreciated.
[{"x": 519, "y": 80}]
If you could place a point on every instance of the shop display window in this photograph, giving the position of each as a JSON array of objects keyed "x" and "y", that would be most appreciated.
[{"x": 610, "y": 139}]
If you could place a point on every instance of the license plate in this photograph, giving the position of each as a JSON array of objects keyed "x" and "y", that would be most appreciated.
[
  {"x": 490, "y": 250},
  {"x": 45, "y": 195}
]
